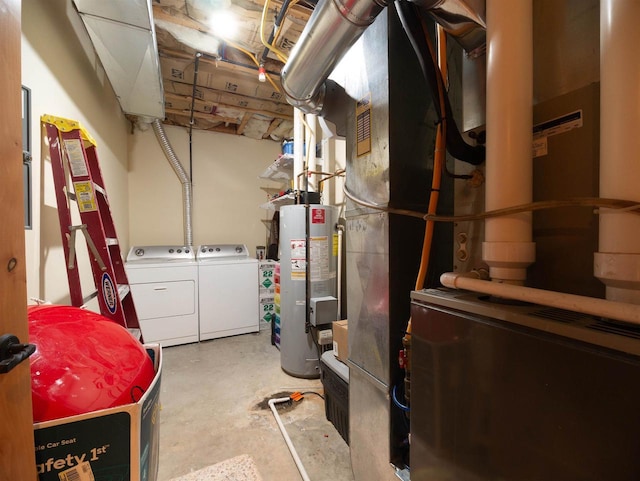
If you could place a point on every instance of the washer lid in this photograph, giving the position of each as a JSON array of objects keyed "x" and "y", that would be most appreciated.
[
  {"x": 221, "y": 252},
  {"x": 148, "y": 254}
]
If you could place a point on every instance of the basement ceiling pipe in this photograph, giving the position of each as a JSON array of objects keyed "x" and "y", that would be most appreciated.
[
  {"x": 187, "y": 198},
  {"x": 617, "y": 264},
  {"x": 508, "y": 249}
]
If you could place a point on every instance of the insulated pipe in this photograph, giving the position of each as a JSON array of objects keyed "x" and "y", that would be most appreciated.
[
  {"x": 617, "y": 264},
  {"x": 294, "y": 454},
  {"x": 332, "y": 29},
  {"x": 587, "y": 305},
  {"x": 508, "y": 249},
  {"x": 187, "y": 197}
]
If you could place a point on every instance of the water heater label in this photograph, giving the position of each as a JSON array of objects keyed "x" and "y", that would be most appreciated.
[
  {"x": 317, "y": 216},
  {"x": 319, "y": 266}
]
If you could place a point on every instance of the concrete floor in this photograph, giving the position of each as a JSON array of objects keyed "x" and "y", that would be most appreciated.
[{"x": 213, "y": 409}]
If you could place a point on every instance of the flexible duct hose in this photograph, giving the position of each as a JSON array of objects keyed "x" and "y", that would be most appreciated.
[{"x": 187, "y": 197}]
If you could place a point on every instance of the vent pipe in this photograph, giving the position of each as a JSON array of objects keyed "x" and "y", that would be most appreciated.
[
  {"x": 617, "y": 264},
  {"x": 187, "y": 199},
  {"x": 333, "y": 28},
  {"x": 508, "y": 249}
]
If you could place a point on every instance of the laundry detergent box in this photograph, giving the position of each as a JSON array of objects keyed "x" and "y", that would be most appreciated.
[{"x": 119, "y": 443}]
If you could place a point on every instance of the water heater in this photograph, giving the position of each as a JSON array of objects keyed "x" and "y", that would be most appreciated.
[{"x": 299, "y": 355}]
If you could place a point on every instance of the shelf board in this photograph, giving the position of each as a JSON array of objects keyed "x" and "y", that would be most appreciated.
[
  {"x": 281, "y": 170},
  {"x": 275, "y": 204}
]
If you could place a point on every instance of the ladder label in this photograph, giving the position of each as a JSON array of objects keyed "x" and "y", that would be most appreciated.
[
  {"x": 85, "y": 196},
  {"x": 75, "y": 154},
  {"x": 109, "y": 293}
]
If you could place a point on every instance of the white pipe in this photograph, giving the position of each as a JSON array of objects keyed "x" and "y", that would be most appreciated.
[
  {"x": 311, "y": 136},
  {"x": 587, "y": 305},
  {"x": 617, "y": 263},
  {"x": 339, "y": 286},
  {"x": 508, "y": 249},
  {"x": 298, "y": 146},
  {"x": 272, "y": 404}
]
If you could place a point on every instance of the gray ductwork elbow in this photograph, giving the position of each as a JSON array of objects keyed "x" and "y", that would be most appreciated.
[{"x": 332, "y": 29}]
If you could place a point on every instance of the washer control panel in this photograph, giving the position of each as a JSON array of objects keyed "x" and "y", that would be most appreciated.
[
  {"x": 160, "y": 253},
  {"x": 222, "y": 251}
]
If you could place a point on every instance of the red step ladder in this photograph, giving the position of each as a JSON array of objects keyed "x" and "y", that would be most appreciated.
[{"x": 77, "y": 177}]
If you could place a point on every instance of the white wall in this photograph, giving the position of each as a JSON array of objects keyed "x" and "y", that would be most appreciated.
[
  {"x": 64, "y": 82},
  {"x": 226, "y": 188}
]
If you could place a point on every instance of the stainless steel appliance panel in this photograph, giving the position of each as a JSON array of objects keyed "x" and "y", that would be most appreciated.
[
  {"x": 367, "y": 239},
  {"x": 369, "y": 427},
  {"x": 494, "y": 399}
]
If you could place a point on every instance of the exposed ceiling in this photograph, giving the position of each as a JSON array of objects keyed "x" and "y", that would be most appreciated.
[{"x": 228, "y": 95}]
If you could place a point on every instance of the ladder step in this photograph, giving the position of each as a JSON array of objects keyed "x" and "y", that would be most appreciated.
[
  {"x": 135, "y": 332},
  {"x": 123, "y": 290},
  {"x": 100, "y": 189},
  {"x": 93, "y": 295}
]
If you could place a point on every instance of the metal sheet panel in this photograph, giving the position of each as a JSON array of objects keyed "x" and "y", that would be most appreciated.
[
  {"x": 369, "y": 427},
  {"x": 566, "y": 56},
  {"x": 383, "y": 250},
  {"x": 368, "y": 284},
  {"x": 132, "y": 12}
]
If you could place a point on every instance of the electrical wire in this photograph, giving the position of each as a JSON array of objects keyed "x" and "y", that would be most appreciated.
[
  {"x": 396, "y": 401},
  {"x": 277, "y": 27},
  {"x": 617, "y": 206},
  {"x": 313, "y": 392},
  {"x": 238, "y": 47},
  {"x": 255, "y": 60},
  {"x": 273, "y": 48},
  {"x": 409, "y": 16}
]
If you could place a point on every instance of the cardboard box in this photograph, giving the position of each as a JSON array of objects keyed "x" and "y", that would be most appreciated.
[
  {"x": 267, "y": 309},
  {"x": 340, "y": 340},
  {"x": 115, "y": 443},
  {"x": 266, "y": 275}
]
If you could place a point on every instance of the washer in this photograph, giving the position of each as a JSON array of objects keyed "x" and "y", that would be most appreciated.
[
  {"x": 164, "y": 285},
  {"x": 228, "y": 290}
]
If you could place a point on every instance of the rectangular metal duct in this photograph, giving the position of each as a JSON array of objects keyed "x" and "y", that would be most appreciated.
[
  {"x": 392, "y": 115},
  {"x": 124, "y": 39}
]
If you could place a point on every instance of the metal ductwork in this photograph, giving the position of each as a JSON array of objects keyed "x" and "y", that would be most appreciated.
[
  {"x": 124, "y": 39},
  {"x": 464, "y": 20},
  {"x": 331, "y": 31},
  {"x": 336, "y": 25},
  {"x": 187, "y": 197}
]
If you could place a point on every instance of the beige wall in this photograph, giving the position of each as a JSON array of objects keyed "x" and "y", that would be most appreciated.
[
  {"x": 226, "y": 188},
  {"x": 64, "y": 82}
]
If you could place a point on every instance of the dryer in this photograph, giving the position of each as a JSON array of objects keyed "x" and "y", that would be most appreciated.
[
  {"x": 164, "y": 285},
  {"x": 228, "y": 290}
]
